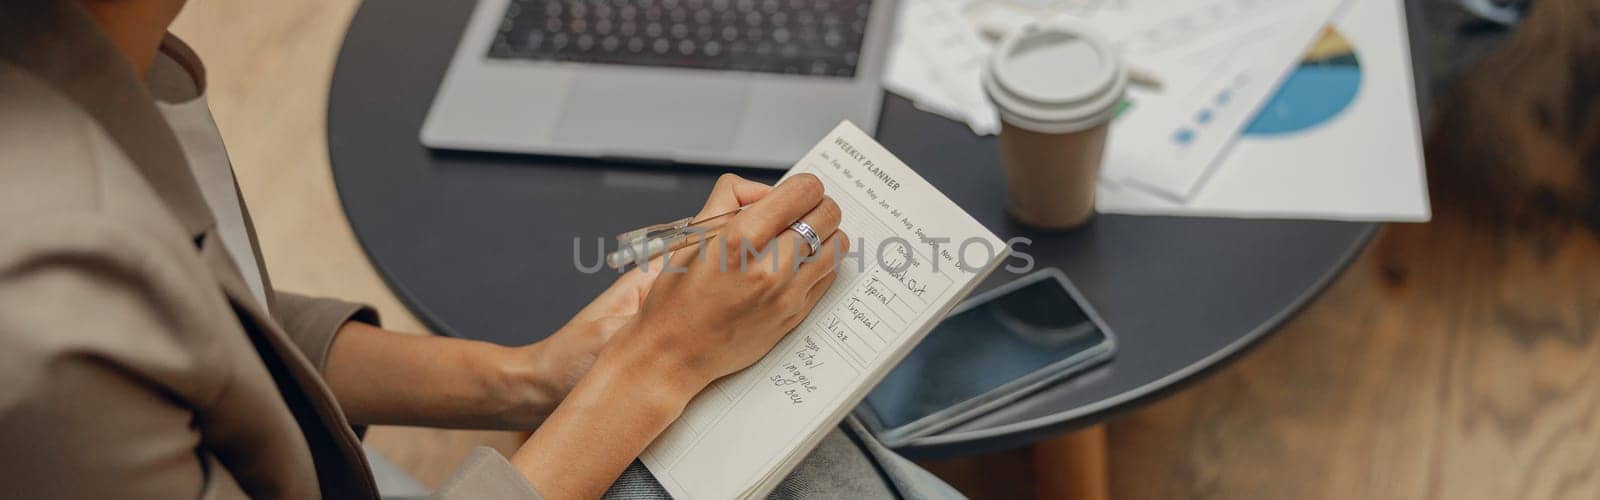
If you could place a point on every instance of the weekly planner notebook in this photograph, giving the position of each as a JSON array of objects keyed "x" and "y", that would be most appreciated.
[{"x": 920, "y": 254}]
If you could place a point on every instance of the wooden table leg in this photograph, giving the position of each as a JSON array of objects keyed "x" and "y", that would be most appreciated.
[{"x": 1073, "y": 467}]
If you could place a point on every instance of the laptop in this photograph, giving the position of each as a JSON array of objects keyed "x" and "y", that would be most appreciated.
[{"x": 746, "y": 83}]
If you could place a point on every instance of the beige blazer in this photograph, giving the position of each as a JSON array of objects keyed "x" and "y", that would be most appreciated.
[{"x": 134, "y": 361}]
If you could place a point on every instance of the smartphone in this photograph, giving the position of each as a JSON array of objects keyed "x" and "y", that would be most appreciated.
[{"x": 991, "y": 350}]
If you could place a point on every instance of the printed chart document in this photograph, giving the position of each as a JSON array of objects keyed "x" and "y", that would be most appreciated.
[
  {"x": 919, "y": 255},
  {"x": 1340, "y": 140},
  {"x": 1223, "y": 59}
]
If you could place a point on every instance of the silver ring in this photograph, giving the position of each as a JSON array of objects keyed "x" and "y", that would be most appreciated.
[{"x": 808, "y": 234}]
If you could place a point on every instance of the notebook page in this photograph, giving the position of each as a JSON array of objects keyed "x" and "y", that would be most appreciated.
[{"x": 744, "y": 433}]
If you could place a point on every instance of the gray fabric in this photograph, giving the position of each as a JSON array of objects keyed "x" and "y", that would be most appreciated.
[
  {"x": 910, "y": 480},
  {"x": 837, "y": 468},
  {"x": 393, "y": 482},
  {"x": 636, "y": 483},
  {"x": 848, "y": 463}
]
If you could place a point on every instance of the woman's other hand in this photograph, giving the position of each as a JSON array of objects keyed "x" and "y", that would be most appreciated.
[
  {"x": 553, "y": 366},
  {"x": 708, "y": 311},
  {"x": 717, "y": 307}
]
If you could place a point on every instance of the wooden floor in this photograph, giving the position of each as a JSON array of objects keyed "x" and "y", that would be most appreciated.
[{"x": 1455, "y": 360}]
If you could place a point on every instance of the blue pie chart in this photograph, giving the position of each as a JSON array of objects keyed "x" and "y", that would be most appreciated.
[{"x": 1323, "y": 86}]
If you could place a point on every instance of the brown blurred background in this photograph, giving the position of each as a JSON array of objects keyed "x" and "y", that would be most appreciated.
[{"x": 1456, "y": 359}]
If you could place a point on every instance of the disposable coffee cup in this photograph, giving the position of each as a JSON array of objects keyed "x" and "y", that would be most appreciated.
[{"x": 1056, "y": 84}]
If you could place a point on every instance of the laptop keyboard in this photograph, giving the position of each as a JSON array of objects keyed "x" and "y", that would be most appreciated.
[{"x": 805, "y": 37}]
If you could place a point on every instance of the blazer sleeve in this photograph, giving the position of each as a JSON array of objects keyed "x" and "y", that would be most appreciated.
[
  {"x": 487, "y": 475},
  {"x": 311, "y": 322},
  {"x": 107, "y": 347}
]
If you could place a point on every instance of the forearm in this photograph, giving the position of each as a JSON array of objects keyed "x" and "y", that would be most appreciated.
[
  {"x": 607, "y": 421},
  {"x": 384, "y": 377}
]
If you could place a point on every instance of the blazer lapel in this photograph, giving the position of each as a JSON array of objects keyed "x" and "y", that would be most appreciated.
[
  {"x": 341, "y": 464},
  {"x": 255, "y": 248}
]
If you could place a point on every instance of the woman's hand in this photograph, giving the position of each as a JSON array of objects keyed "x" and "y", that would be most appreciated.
[
  {"x": 722, "y": 305},
  {"x": 547, "y": 370},
  {"x": 554, "y": 365},
  {"x": 711, "y": 310}
]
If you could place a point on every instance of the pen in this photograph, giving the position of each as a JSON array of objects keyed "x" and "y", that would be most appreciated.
[{"x": 645, "y": 243}]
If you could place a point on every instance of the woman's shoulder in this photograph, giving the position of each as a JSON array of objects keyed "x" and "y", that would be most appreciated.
[
  {"x": 54, "y": 151},
  {"x": 56, "y": 161}
]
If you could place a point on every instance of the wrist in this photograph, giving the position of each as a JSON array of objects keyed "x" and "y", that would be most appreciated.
[
  {"x": 524, "y": 384},
  {"x": 649, "y": 395},
  {"x": 608, "y": 420},
  {"x": 670, "y": 375}
]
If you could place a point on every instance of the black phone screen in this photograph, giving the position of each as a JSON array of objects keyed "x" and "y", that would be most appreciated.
[{"x": 1006, "y": 339}]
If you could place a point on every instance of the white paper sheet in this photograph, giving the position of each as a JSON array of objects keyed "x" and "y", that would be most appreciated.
[
  {"x": 937, "y": 61},
  {"x": 1363, "y": 163},
  {"x": 1225, "y": 57}
]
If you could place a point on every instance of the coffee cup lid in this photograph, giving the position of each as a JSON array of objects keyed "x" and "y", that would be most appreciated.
[{"x": 1055, "y": 76}]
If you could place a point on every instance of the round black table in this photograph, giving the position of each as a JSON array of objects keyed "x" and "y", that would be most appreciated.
[{"x": 481, "y": 245}]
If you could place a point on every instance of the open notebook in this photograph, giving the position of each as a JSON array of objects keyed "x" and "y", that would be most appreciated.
[{"x": 744, "y": 434}]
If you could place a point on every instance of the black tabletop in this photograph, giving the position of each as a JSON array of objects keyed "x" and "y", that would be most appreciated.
[{"x": 481, "y": 245}]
